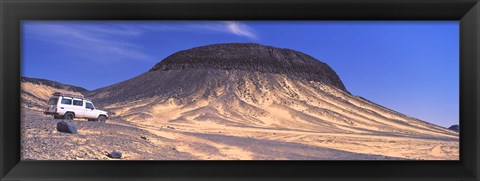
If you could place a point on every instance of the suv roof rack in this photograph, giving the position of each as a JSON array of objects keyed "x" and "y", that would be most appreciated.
[{"x": 78, "y": 96}]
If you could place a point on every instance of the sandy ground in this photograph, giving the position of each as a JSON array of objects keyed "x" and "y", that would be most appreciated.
[
  {"x": 260, "y": 143},
  {"x": 210, "y": 141},
  {"x": 285, "y": 119}
]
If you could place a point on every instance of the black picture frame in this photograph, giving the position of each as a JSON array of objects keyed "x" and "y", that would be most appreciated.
[{"x": 14, "y": 11}]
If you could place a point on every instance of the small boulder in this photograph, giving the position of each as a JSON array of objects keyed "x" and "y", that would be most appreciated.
[
  {"x": 143, "y": 137},
  {"x": 115, "y": 154},
  {"x": 454, "y": 128},
  {"x": 66, "y": 127}
]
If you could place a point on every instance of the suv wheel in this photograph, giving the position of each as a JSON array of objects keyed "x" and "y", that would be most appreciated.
[
  {"x": 69, "y": 116},
  {"x": 102, "y": 119}
]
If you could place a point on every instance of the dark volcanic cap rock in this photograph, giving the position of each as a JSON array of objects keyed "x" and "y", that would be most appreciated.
[{"x": 252, "y": 57}]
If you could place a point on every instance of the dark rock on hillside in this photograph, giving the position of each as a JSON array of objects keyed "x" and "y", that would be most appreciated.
[
  {"x": 252, "y": 57},
  {"x": 54, "y": 84},
  {"x": 66, "y": 127},
  {"x": 455, "y": 128}
]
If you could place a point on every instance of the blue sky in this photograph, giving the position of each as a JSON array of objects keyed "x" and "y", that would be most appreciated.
[{"x": 408, "y": 66}]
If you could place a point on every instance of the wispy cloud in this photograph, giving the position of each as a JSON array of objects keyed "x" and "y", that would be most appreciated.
[
  {"x": 227, "y": 27},
  {"x": 240, "y": 29},
  {"x": 111, "y": 41},
  {"x": 94, "y": 41}
]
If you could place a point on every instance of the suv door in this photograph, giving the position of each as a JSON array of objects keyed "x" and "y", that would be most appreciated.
[
  {"x": 78, "y": 107},
  {"x": 90, "y": 111}
]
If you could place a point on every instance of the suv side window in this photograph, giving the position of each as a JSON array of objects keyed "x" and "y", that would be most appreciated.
[
  {"x": 66, "y": 101},
  {"x": 77, "y": 102},
  {"x": 53, "y": 101},
  {"x": 89, "y": 106}
]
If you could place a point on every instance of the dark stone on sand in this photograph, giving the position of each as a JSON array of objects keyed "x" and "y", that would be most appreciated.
[
  {"x": 66, "y": 127},
  {"x": 115, "y": 154}
]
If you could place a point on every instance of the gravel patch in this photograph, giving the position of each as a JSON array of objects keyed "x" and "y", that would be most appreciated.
[{"x": 41, "y": 141}]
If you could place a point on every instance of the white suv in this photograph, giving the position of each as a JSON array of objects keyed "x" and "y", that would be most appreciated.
[{"x": 70, "y": 106}]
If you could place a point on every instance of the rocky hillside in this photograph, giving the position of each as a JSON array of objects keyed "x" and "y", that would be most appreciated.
[
  {"x": 36, "y": 92},
  {"x": 254, "y": 86},
  {"x": 54, "y": 84},
  {"x": 252, "y": 58}
]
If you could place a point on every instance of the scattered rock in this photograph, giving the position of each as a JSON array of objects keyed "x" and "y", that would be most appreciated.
[
  {"x": 115, "y": 154},
  {"x": 169, "y": 127},
  {"x": 143, "y": 137},
  {"x": 66, "y": 127},
  {"x": 455, "y": 127}
]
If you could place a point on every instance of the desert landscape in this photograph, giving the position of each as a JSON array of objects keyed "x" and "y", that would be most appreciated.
[{"x": 237, "y": 101}]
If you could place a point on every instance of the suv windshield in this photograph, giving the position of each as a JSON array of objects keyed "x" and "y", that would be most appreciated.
[{"x": 53, "y": 101}]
